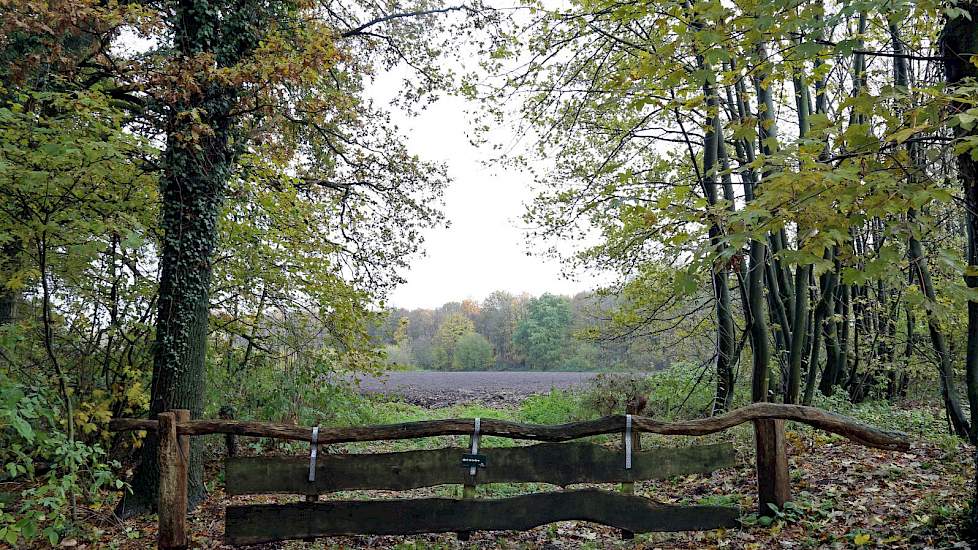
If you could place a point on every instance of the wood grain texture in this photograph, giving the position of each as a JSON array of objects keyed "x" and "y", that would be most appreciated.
[
  {"x": 557, "y": 463},
  {"x": 256, "y": 524},
  {"x": 773, "y": 483},
  {"x": 173, "y": 453},
  {"x": 824, "y": 420}
]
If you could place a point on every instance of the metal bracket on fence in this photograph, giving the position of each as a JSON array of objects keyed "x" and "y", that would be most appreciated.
[
  {"x": 314, "y": 446},
  {"x": 628, "y": 442},
  {"x": 474, "y": 460}
]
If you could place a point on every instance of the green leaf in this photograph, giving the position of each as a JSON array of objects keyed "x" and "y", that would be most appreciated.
[
  {"x": 965, "y": 120},
  {"x": 904, "y": 134},
  {"x": 11, "y": 535},
  {"x": 845, "y": 47},
  {"x": 52, "y": 534},
  {"x": 23, "y": 428},
  {"x": 809, "y": 49}
]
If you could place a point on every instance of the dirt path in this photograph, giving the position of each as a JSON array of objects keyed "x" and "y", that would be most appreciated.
[{"x": 442, "y": 389}]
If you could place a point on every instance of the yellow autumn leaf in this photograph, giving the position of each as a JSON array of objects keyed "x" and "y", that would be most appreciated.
[{"x": 861, "y": 539}]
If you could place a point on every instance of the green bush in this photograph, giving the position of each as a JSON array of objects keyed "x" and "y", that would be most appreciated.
[
  {"x": 676, "y": 392},
  {"x": 307, "y": 389},
  {"x": 58, "y": 474},
  {"x": 927, "y": 422},
  {"x": 608, "y": 393},
  {"x": 472, "y": 352},
  {"x": 556, "y": 407},
  {"x": 399, "y": 357},
  {"x": 680, "y": 392}
]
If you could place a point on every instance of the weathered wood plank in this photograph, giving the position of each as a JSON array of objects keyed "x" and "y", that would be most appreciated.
[
  {"x": 173, "y": 453},
  {"x": 824, "y": 420},
  {"x": 557, "y": 463},
  {"x": 271, "y": 522},
  {"x": 773, "y": 483}
]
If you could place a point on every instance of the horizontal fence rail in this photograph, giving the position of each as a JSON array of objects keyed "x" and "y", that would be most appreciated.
[
  {"x": 555, "y": 463},
  {"x": 558, "y": 464},
  {"x": 256, "y": 524},
  {"x": 831, "y": 422}
]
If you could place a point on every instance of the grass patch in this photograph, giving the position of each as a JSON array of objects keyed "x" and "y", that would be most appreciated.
[{"x": 556, "y": 407}]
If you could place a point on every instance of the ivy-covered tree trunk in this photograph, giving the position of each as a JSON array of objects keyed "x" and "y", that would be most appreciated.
[
  {"x": 191, "y": 192},
  {"x": 197, "y": 163}
]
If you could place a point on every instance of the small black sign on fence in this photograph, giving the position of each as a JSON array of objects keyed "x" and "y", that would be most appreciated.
[{"x": 469, "y": 460}]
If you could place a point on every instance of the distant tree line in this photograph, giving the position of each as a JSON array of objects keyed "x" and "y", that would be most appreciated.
[{"x": 519, "y": 332}]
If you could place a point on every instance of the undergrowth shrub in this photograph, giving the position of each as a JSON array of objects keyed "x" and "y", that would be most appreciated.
[
  {"x": 555, "y": 407},
  {"x": 53, "y": 476},
  {"x": 307, "y": 391},
  {"x": 608, "y": 393},
  {"x": 920, "y": 421},
  {"x": 676, "y": 392}
]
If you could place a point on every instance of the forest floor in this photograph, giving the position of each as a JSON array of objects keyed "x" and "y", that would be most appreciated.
[{"x": 845, "y": 496}]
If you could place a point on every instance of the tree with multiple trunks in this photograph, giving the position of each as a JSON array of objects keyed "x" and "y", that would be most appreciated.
[{"x": 769, "y": 178}]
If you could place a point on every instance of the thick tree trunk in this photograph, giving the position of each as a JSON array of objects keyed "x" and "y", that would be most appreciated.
[
  {"x": 760, "y": 346},
  {"x": 959, "y": 43},
  {"x": 726, "y": 344},
  {"x": 799, "y": 331},
  {"x": 726, "y": 329},
  {"x": 712, "y": 155},
  {"x": 191, "y": 190},
  {"x": 826, "y": 287},
  {"x": 196, "y": 169}
]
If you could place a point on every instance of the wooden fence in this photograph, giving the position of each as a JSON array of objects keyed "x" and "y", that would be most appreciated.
[{"x": 551, "y": 462}]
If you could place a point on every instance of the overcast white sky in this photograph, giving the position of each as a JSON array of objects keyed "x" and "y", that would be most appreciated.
[{"x": 484, "y": 249}]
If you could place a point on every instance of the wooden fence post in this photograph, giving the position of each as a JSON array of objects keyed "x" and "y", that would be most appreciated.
[
  {"x": 312, "y": 498},
  {"x": 773, "y": 484},
  {"x": 468, "y": 488},
  {"x": 173, "y": 455},
  {"x": 635, "y": 406},
  {"x": 230, "y": 440}
]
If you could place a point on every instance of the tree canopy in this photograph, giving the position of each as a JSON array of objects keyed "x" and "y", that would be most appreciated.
[{"x": 204, "y": 206}]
